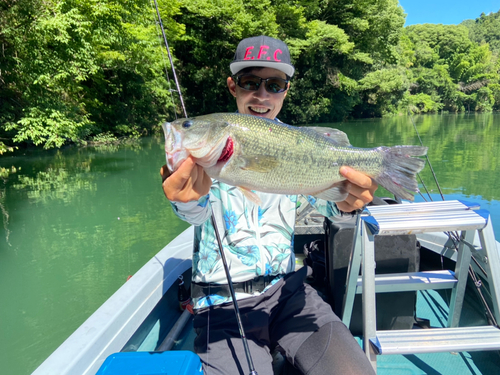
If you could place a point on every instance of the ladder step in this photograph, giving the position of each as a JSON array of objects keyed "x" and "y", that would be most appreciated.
[
  {"x": 426, "y": 222},
  {"x": 411, "y": 281},
  {"x": 436, "y": 340},
  {"x": 427, "y": 207}
]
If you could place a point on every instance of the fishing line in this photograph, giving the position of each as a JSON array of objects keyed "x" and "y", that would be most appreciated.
[
  {"x": 164, "y": 62},
  {"x": 214, "y": 224},
  {"x": 455, "y": 238},
  {"x": 425, "y": 188},
  {"x": 426, "y": 156}
]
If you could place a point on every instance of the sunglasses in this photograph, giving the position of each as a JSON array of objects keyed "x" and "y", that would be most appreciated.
[{"x": 273, "y": 85}]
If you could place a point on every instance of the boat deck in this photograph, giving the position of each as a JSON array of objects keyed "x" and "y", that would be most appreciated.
[
  {"x": 431, "y": 305},
  {"x": 157, "y": 282}
]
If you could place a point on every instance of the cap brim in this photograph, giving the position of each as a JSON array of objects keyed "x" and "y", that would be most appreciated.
[{"x": 240, "y": 65}]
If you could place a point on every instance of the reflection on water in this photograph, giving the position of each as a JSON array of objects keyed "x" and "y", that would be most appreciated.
[
  {"x": 77, "y": 222},
  {"x": 54, "y": 184},
  {"x": 463, "y": 149},
  {"x": 5, "y": 215}
]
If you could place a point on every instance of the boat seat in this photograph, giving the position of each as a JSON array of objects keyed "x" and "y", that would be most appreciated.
[{"x": 417, "y": 218}]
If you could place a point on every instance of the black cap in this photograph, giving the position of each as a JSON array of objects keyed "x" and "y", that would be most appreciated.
[{"x": 262, "y": 51}]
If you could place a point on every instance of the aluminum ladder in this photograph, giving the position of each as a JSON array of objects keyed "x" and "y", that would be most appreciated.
[{"x": 413, "y": 219}]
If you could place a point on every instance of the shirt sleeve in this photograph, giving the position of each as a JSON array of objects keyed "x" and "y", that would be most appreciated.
[{"x": 195, "y": 212}]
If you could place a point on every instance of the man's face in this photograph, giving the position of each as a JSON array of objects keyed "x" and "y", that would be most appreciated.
[{"x": 260, "y": 102}]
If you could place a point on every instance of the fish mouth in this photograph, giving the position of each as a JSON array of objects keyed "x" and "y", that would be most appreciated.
[
  {"x": 204, "y": 154},
  {"x": 174, "y": 150}
]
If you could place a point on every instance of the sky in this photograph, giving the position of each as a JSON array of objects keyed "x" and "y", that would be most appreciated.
[{"x": 448, "y": 12}]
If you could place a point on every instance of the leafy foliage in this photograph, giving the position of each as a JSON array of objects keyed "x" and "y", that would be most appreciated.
[
  {"x": 450, "y": 69},
  {"x": 331, "y": 42},
  {"x": 71, "y": 70},
  {"x": 485, "y": 29},
  {"x": 76, "y": 68}
]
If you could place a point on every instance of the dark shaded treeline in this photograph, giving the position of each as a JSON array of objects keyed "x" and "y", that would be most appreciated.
[{"x": 75, "y": 71}]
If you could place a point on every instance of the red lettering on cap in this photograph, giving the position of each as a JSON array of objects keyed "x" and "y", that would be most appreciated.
[
  {"x": 247, "y": 53},
  {"x": 262, "y": 52},
  {"x": 276, "y": 54}
]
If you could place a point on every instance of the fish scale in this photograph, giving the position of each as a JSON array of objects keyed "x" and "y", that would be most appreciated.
[{"x": 274, "y": 157}]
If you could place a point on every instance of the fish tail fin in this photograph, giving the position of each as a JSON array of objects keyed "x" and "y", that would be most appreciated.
[{"x": 399, "y": 170}]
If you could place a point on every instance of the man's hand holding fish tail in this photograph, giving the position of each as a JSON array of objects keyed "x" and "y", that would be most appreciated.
[
  {"x": 186, "y": 184},
  {"x": 361, "y": 190}
]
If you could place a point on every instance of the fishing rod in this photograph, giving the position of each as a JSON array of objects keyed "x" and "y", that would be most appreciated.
[
  {"x": 170, "y": 57},
  {"x": 214, "y": 223},
  {"x": 235, "y": 303}
]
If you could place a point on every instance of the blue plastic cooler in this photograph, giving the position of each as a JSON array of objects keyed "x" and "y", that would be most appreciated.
[{"x": 177, "y": 362}]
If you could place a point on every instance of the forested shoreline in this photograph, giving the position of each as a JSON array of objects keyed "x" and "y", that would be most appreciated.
[{"x": 78, "y": 71}]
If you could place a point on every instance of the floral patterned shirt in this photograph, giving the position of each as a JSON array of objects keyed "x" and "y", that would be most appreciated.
[{"x": 257, "y": 240}]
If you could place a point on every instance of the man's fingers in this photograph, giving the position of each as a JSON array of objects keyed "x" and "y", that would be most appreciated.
[
  {"x": 363, "y": 194},
  {"x": 164, "y": 173},
  {"x": 188, "y": 183},
  {"x": 360, "y": 187},
  {"x": 186, "y": 167},
  {"x": 357, "y": 178},
  {"x": 202, "y": 182},
  {"x": 182, "y": 174},
  {"x": 351, "y": 203}
]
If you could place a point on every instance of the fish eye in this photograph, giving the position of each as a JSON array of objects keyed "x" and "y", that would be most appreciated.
[{"x": 187, "y": 124}]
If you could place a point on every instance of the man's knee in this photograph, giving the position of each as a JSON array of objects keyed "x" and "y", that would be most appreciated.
[{"x": 332, "y": 350}]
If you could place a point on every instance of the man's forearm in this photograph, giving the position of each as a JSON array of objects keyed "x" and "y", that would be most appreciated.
[{"x": 195, "y": 212}]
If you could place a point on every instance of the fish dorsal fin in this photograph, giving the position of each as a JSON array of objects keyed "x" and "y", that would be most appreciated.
[
  {"x": 257, "y": 163},
  {"x": 337, "y": 193},
  {"x": 336, "y": 135}
]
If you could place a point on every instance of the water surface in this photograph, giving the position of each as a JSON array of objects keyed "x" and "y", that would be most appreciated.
[{"x": 75, "y": 223}]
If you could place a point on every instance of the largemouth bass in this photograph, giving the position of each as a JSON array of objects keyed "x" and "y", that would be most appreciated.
[{"x": 255, "y": 153}]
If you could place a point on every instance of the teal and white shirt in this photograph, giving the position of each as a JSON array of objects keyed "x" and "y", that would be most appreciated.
[{"x": 257, "y": 240}]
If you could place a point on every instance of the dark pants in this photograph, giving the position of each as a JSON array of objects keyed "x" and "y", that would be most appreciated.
[{"x": 288, "y": 316}]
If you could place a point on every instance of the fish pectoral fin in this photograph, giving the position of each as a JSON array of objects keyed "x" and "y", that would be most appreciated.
[
  {"x": 336, "y": 193},
  {"x": 250, "y": 195},
  {"x": 338, "y": 136},
  {"x": 258, "y": 163}
]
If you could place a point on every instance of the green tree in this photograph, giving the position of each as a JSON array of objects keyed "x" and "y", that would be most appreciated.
[
  {"x": 77, "y": 68},
  {"x": 333, "y": 46},
  {"x": 73, "y": 71},
  {"x": 485, "y": 29},
  {"x": 449, "y": 70}
]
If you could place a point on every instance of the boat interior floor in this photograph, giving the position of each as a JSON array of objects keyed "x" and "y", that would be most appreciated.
[{"x": 432, "y": 306}]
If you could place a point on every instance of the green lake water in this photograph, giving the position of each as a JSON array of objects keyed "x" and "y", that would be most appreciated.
[{"x": 75, "y": 223}]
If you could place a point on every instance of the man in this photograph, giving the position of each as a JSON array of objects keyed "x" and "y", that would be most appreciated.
[{"x": 278, "y": 310}]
